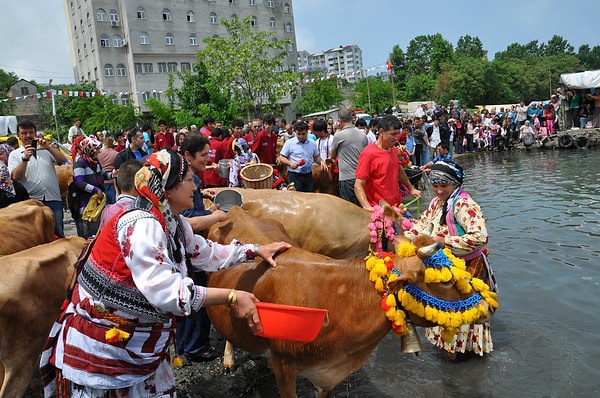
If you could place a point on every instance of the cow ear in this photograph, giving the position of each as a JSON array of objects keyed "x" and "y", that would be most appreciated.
[
  {"x": 397, "y": 284},
  {"x": 388, "y": 210}
]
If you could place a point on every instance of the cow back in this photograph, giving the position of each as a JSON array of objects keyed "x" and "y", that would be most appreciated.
[
  {"x": 25, "y": 224},
  {"x": 319, "y": 223},
  {"x": 65, "y": 177}
]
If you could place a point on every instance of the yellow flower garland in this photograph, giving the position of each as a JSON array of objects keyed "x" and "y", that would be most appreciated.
[{"x": 442, "y": 267}]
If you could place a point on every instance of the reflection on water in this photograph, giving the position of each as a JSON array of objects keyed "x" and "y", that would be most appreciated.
[{"x": 543, "y": 214}]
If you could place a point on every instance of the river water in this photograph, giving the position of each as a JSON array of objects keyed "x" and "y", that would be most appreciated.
[{"x": 543, "y": 215}]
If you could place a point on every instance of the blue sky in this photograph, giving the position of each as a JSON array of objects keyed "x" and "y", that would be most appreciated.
[{"x": 37, "y": 46}]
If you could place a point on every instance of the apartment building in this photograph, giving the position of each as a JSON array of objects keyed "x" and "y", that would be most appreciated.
[
  {"x": 344, "y": 61},
  {"x": 129, "y": 47}
]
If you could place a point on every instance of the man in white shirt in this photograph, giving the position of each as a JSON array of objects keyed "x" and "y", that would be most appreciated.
[
  {"x": 32, "y": 165},
  {"x": 75, "y": 131}
]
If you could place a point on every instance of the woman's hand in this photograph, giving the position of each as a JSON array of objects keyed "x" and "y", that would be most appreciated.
[
  {"x": 100, "y": 194},
  {"x": 266, "y": 252},
  {"x": 244, "y": 308}
]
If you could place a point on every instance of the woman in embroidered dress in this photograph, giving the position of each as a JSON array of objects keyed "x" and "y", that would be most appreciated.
[
  {"x": 113, "y": 338},
  {"x": 456, "y": 220}
]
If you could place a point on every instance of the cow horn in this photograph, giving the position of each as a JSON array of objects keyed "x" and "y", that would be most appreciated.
[{"x": 429, "y": 250}]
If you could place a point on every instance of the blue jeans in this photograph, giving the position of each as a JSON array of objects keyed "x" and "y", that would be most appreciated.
[
  {"x": 302, "y": 182},
  {"x": 347, "y": 191},
  {"x": 57, "y": 208},
  {"x": 111, "y": 195}
]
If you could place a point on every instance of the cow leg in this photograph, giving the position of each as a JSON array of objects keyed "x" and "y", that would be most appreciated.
[
  {"x": 15, "y": 382},
  {"x": 285, "y": 375},
  {"x": 228, "y": 357}
]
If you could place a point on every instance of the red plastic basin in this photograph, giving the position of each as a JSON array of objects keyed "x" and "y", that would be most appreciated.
[{"x": 287, "y": 322}]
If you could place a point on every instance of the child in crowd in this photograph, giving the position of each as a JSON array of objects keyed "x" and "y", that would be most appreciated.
[
  {"x": 549, "y": 115},
  {"x": 243, "y": 157}
]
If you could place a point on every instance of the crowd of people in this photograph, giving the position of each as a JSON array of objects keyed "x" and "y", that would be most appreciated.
[{"x": 152, "y": 217}]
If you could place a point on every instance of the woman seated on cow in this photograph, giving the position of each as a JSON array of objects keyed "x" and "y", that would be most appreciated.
[
  {"x": 456, "y": 220},
  {"x": 11, "y": 191},
  {"x": 113, "y": 339}
]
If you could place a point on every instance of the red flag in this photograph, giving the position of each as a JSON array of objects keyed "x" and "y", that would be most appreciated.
[{"x": 389, "y": 65}]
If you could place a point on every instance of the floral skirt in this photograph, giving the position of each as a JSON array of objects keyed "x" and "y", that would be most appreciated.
[{"x": 469, "y": 337}]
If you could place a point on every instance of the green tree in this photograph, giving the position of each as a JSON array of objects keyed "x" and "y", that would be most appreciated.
[
  {"x": 378, "y": 91},
  {"x": 470, "y": 47},
  {"x": 558, "y": 46},
  {"x": 248, "y": 66},
  {"x": 98, "y": 112},
  {"x": 320, "y": 95},
  {"x": 6, "y": 80},
  {"x": 589, "y": 57}
]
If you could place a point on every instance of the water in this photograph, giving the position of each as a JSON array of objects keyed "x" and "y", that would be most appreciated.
[{"x": 543, "y": 215}]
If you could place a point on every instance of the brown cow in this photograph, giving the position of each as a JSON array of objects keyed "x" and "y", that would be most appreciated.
[
  {"x": 32, "y": 290},
  {"x": 356, "y": 322},
  {"x": 25, "y": 224},
  {"x": 326, "y": 181},
  {"x": 319, "y": 223},
  {"x": 65, "y": 177}
]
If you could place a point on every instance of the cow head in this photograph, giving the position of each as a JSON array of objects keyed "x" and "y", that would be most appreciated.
[{"x": 429, "y": 285}]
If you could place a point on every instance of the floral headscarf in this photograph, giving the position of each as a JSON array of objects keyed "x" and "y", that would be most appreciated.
[
  {"x": 6, "y": 183},
  {"x": 161, "y": 172},
  {"x": 87, "y": 148},
  {"x": 6, "y": 149}
]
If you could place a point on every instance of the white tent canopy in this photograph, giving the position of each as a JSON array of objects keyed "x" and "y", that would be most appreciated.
[
  {"x": 6, "y": 123},
  {"x": 581, "y": 80}
]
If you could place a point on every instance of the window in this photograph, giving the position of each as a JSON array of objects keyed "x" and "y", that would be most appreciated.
[
  {"x": 232, "y": 1},
  {"x": 270, "y": 4},
  {"x": 215, "y": 37},
  {"x": 85, "y": 49},
  {"x": 213, "y": 18},
  {"x": 72, "y": 8},
  {"x": 144, "y": 38},
  {"x": 89, "y": 19},
  {"x": 120, "y": 70},
  {"x": 79, "y": 55},
  {"x": 169, "y": 39},
  {"x": 252, "y": 2},
  {"x": 286, "y": 8},
  {"x": 293, "y": 68},
  {"x": 92, "y": 43},
  {"x": 104, "y": 41},
  {"x": 234, "y": 17},
  {"x": 172, "y": 66},
  {"x": 101, "y": 15},
  {"x": 148, "y": 68},
  {"x": 24, "y": 91},
  {"x": 81, "y": 23},
  {"x": 162, "y": 67},
  {"x": 117, "y": 41},
  {"x": 290, "y": 47},
  {"x": 108, "y": 70},
  {"x": 166, "y": 14},
  {"x": 145, "y": 96},
  {"x": 288, "y": 27},
  {"x": 137, "y": 67},
  {"x": 254, "y": 21},
  {"x": 141, "y": 13},
  {"x": 272, "y": 23},
  {"x": 185, "y": 66},
  {"x": 193, "y": 40},
  {"x": 113, "y": 15},
  {"x": 124, "y": 98},
  {"x": 156, "y": 95},
  {"x": 190, "y": 16},
  {"x": 75, "y": 30}
]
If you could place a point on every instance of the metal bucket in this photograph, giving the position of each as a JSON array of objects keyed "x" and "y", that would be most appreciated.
[{"x": 224, "y": 167}]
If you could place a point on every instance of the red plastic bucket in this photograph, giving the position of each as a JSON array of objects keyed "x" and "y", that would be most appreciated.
[{"x": 287, "y": 322}]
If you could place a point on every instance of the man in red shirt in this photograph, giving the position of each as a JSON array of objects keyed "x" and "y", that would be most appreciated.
[
  {"x": 208, "y": 124},
  {"x": 163, "y": 138},
  {"x": 255, "y": 128},
  {"x": 378, "y": 171},
  {"x": 265, "y": 142},
  {"x": 237, "y": 126}
]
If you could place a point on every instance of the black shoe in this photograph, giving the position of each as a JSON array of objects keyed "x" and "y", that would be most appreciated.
[{"x": 204, "y": 356}]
